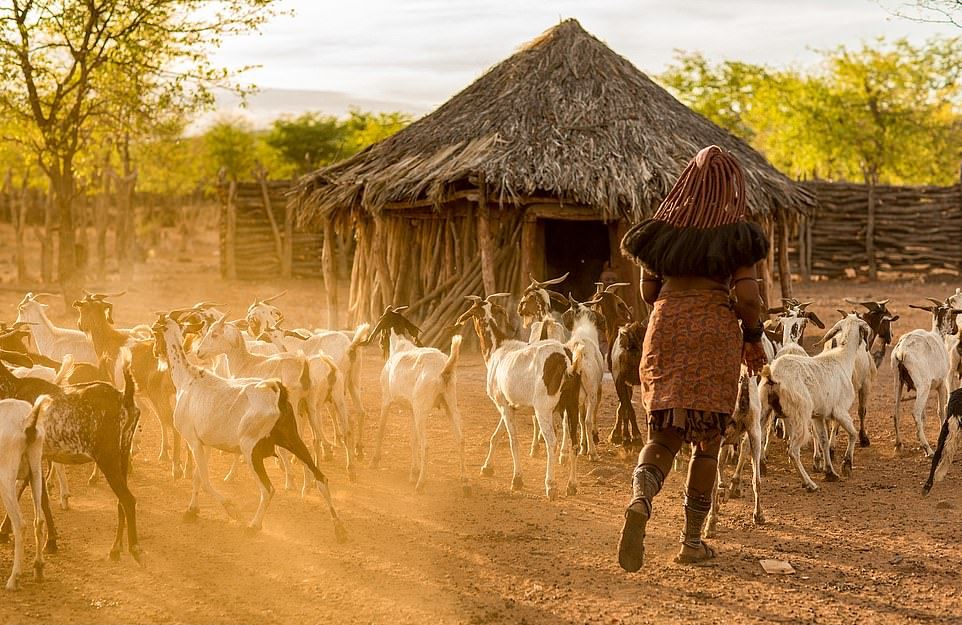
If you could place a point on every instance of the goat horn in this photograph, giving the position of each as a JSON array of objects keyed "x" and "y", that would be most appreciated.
[
  {"x": 557, "y": 280},
  {"x": 401, "y": 309},
  {"x": 18, "y": 324},
  {"x": 204, "y": 306},
  {"x": 103, "y": 296},
  {"x": 610, "y": 287},
  {"x": 45, "y": 294},
  {"x": 271, "y": 299},
  {"x": 473, "y": 298},
  {"x": 937, "y": 302},
  {"x": 488, "y": 298}
]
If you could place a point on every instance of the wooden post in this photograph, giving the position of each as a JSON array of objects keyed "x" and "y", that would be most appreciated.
[
  {"x": 870, "y": 229},
  {"x": 532, "y": 250},
  {"x": 627, "y": 271},
  {"x": 330, "y": 275},
  {"x": 278, "y": 244},
  {"x": 287, "y": 260},
  {"x": 784, "y": 263},
  {"x": 484, "y": 239},
  {"x": 230, "y": 240},
  {"x": 803, "y": 266},
  {"x": 379, "y": 253},
  {"x": 764, "y": 267}
]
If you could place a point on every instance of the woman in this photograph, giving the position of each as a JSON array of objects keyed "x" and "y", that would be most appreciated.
[{"x": 697, "y": 255}]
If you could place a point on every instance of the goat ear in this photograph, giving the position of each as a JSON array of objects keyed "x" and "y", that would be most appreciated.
[
  {"x": 77, "y": 303},
  {"x": 814, "y": 319},
  {"x": 557, "y": 297},
  {"x": 615, "y": 285},
  {"x": 841, "y": 312},
  {"x": 109, "y": 313},
  {"x": 894, "y": 318}
]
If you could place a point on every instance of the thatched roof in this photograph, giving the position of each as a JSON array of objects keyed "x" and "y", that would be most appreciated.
[{"x": 564, "y": 117}]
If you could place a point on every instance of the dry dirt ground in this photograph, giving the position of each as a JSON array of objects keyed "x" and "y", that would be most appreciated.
[{"x": 868, "y": 549}]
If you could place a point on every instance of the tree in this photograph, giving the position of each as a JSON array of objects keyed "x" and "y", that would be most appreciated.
[
  {"x": 308, "y": 141},
  {"x": 938, "y": 11},
  {"x": 364, "y": 128},
  {"x": 65, "y": 64},
  {"x": 230, "y": 146}
]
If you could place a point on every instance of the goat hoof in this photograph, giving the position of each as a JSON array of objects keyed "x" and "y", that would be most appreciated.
[
  {"x": 114, "y": 554},
  {"x": 928, "y": 452},
  {"x": 831, "y": 477},
  {"x": 65, "y": 503},
  {"x": 847, "y": 469},
  {"x": 191, "y": 515},
  {"x": 593, "y": 457},
  {"x": 551, "y": 492},
  {"x": 571, "y": 490},
  {"x": 12, "y": 585},
  {"x": 466, "y": 490},
  {"x": 487, "y": 471},
  {"x": 38, "y": 571},
  {"x": 352, "y": 476},
  {"x": 375, "y": 462},
  {"x": 419, "y": 488},
  {"x": 811, "y": 487},
  {"x": 138, "y": 554},
  {"x": 735, "y": 492},
  {"x": 758, "y": 518},
  {"x": 615, "y": 439},
  {"x": 359, "y": 453},
  {"x": 517, "y": 483},
  {"x": 863, "y": 440},
  {"x": 51, "y": 546},
  {"x": 340, "y": 535},
  {"x": 252, "y": 530},
  {"x": 898, "y": 445},
  {"x": 763, "y": 469},
  {"x": 92, "y": 480}
]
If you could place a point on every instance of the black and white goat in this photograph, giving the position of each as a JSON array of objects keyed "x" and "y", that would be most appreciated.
[
  {"x": 537, "y": 309},
  {"x": 422, "y": 378},
  {"x": 948, "y": 444},
  {"x": 543, "y": 375},
  {"x": 250, "y": 417}
]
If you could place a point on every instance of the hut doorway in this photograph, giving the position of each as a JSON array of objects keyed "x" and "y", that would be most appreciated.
[{"x": 579, "y": 247}]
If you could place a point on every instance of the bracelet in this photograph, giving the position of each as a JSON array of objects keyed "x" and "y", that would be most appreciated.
[
  {"x": 753, "y": 335},
  {"x": 737, "y": 280}
]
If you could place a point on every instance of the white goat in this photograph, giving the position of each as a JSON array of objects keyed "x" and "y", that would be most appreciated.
[
  {"x": 921, "y": 363},
  {"x": 249, "y": 417},
  {"x": 863, "y": 380},
  {"x": 583, "y": 322},
  {"x": 808, "y": 390},
  {"x": 543, "y": 375},
  {"x": 21, "y": 439},
  {"x": 423, "y": 378},
  {"x": 745, "y": 430},
  {"x": 312, "y": 381},
  {"x": 53, "y": 341}
]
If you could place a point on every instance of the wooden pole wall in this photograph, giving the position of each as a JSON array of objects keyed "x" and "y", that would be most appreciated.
[{"x": 484, "y": 240}]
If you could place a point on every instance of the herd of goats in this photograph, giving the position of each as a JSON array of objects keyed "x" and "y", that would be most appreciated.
[{"x": 253, "y": 388}]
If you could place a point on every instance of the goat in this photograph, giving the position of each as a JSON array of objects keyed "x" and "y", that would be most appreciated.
[
  {"x": 543, "y": 375},
  {"x": 880, "y": 319},
  {"x": 614, "y": 312},
  {"x": 808, "y": 390},
  {"x": 53, "y": 341},
  {"x": 745, "y": 427},
  {"x": 920, "y": 361},
  {"x": 625, "y": 370},
  {"x": 792, "y": 321},
  {"x": 250, "y": 417},
  {"x": 154, "y": 383},
  {"x": 424, "y": 378},
  {"x": 84, "y": 423},
  {"x": 311, "y": 381},
  {"x": 264, "y": 320},
  {"x": 948, "y": 441},
  {"x": 21, "y": 439},
  {"x": 582, "y": 322},
  {"x": 536, "y": 310},
  {"x": 863, "y": 378}
]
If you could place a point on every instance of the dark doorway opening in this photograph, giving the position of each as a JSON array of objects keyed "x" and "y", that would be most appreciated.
[{"x": 579, "y": 247}]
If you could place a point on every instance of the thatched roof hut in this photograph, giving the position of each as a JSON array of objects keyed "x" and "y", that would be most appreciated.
[{"x": 564, "y": 130}]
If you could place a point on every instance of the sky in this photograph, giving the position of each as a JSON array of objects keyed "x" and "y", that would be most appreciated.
[{"x": 412, "y": 55}]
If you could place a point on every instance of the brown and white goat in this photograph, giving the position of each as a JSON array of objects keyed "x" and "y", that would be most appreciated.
[
  {"x": 153, "y": 381},
  {"x": 543, "y": 375},
  {"x": 625, "y": 371},
  {"x": 614, "y": 312},
  {"x": 537, "y": 309}
]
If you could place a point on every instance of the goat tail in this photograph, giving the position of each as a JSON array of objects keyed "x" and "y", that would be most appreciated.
[
  {"x": 361, "y": 336},
  {"x": 65, "y": 370},
  {"x": 33, "y": 417},
  {"x": 945, "y": 451},
  {"x": 452, "y": 362},
  {"x": 577, "y": 358},
  {"x": 305, "y": 379}
]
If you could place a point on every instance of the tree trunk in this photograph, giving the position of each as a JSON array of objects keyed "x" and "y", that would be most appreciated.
[
  {"x": 46, "y": 240},
  {"x": 101, "y": 214},
  {"x": 69, "y": 275},
  {"x": 784, "y": 263}
]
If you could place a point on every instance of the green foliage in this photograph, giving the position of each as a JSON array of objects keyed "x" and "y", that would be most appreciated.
[
  {"x": 364, "y": 128},
  {"x": 308, "y": 141},
  {"x": 880, "y": 113},
  {"x": 230, "y": 147}
]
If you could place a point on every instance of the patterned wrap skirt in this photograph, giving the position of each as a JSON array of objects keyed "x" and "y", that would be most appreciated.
[{"x": 691, "y": 362}]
